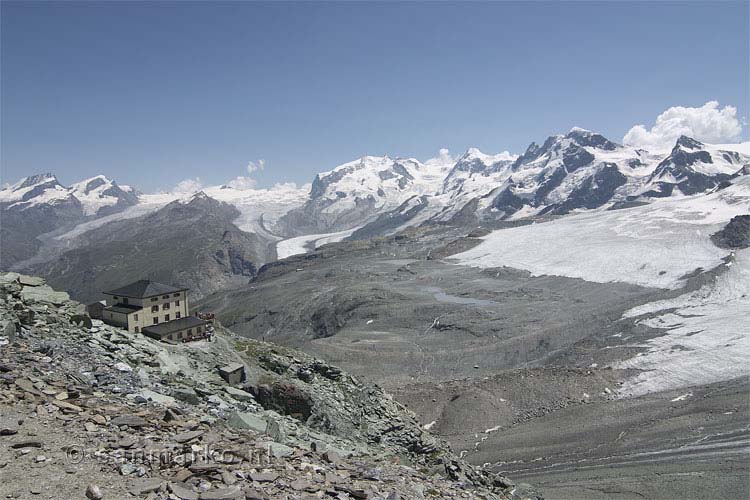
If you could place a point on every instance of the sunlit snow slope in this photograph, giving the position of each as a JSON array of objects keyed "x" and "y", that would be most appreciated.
[
  {"x": 707, "y": 335},
  {"x": 653, "y": 245}
]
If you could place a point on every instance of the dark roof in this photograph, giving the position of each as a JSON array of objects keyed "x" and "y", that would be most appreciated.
[
  {"x": 174, "y": 325},
  {"x": 123, "y": 308},
  {"x": 144, "y": 288}
]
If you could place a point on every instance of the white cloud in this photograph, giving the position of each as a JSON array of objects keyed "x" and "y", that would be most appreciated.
[
  {"x": 242, "y": 182},
  {"x": 444, "y": 157},
  {"x": 254, "y": 166},
  {"x": 189, "y": 186},
  {"x": 708, "y": 123}
]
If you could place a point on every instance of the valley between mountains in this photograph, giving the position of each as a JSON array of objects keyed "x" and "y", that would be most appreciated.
[{"x": 574, "y": 317}]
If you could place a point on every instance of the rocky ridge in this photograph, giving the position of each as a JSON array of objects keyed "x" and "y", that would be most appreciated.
[{"x": 102, "y": 413}]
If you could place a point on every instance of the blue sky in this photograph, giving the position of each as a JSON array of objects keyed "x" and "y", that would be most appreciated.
[{"x": 153, "y": 93}]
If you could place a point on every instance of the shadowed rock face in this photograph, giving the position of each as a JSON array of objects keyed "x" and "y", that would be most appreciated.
[
  {"x": 576, "y": 157},
  {"x": 678, "y": 167},
  {"x": 594, "y": 191},
  {"x": 736, "y": 234},
  {"x": 508, "y": 202},
  {"x": 20, "y": 228},
  {"x": 193, "y": 244}
]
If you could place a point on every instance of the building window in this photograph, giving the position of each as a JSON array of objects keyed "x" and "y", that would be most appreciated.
[
  {"x": 135, "y": 317},
  {"x": 137, "y": 330},
  {"x": 124, "y": 301},
  {"x": 190, "y": 331},
  {"x": 165, "y": 296},
  {"x": 176, "y": 295},
  {"x": 177, "y": 315},
  {"x": 154, "y": 299},
  {"x": 115, "y": 298},
  {"x": 177, "y": 303},
  {"x": 199, "y": 329},
  {"x": 154, "y": 309},
  {"x": 165, "y": 306},
  {"x": 166, "y": 317},
  {"x": 156, "y": 320}
]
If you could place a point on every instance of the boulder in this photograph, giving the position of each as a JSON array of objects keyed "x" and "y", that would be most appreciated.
[
  {"x": 223, "y": 494},
  {"x": 30, "y": 280},
  {"x": 186, "y": 395},
  {"x": 81, "y": 320},
  {"x": 44, "y": 294},
  {"x": 162, "y": 399},
  {"x": 277, "y": 450},
  {"x": 182, "y": 492},
  {"x": 243, "y": 420},
  {"x": 239, "y": 394},
  {"x": 8, "y": 330},
  {"x": 128, "y": 421},
  {"x": 144, "y": 486}
]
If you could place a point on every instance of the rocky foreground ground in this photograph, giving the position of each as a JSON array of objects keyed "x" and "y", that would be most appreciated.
[{"x": 91, "y": 411}]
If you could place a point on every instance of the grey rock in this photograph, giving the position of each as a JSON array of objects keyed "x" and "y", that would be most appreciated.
[
  {"x": 26, "y": 444},
  {"x": 144, "y": 486},
  {"x": 239, "y": 394},
  {"x": 127, "y": 442},
  {"x": 277, "y": 450},
  {"x": 44, "y": 294},
  {"x": 185, "y": 437},
  {"x": 182, "y": 492},
  {"x": 127, "y": 469},
  {"x": 736, "y": 234},
  {"x": 94, "y": 493},
  {"x": 222, "y": 494},
  {"x": 243, "y": 420},
  {"x": 186, "y": 395},
  {"x": 264, "y": 477},
  {"x": 8, "y": 329},
  {"x": 129, "y": 421},
  {"x": 81, "y": 320},
  {"x": 30, "y": 280}
]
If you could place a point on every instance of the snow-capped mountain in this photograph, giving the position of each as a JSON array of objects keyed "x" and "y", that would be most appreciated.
[
  {"x": 580, "y": 170},
  {"x": 95, "y": 196},
  {"x": 100, "y": 195},
  {"x": 584, "y": 170},
  {"x": 693, "y": 167},
  {"x": 377, "y": 195},
  {"x": 356, "y": 192}
]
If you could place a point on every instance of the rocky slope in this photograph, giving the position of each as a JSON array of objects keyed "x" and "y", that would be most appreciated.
[
  {"x": 106, "y": 414},
  {"x": 193, "y": 243}
]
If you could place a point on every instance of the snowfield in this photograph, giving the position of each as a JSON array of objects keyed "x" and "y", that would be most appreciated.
[
  {"x": 303, "y": 244},
  {"x": 706, "y": 332},
  {"x": 653, "y": 245},
  {"x": 707, "y": 335}
]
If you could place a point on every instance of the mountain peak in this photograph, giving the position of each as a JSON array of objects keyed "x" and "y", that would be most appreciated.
[
  {"x": 688, "y": 143},
  {"x": 35, "y": 179},
  {"x": 579, "y": 130},
  {"x": 487, "y": 159},
  {"x": 587, "y": 138},
  {"x": 87, "y": 185}
]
